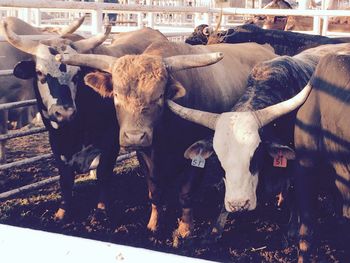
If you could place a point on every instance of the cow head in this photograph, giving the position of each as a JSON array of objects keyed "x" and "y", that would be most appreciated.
[
  {"x": 199, "y": 36},
  {"x": 56, "y": 82},
  {"x": 236, "y": 143},
  {"x": 139, "y": 85}
]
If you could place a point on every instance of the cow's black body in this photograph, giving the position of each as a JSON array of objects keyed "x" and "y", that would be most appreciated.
[
  {"x": 284, "y": 42},
  {"x": 93, "y": 131}
]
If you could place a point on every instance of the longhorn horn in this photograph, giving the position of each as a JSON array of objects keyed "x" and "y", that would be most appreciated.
[
  {"x": 269, "y": 114},
  {"x": 203, "y": 118},
  {"x": 85, "y": 45},
  {"x": 101, "y": 62},
  {"x": 70, "y": 29},
  {"x": 25, "y": 45},
  {"x": 176, "y": 63}
]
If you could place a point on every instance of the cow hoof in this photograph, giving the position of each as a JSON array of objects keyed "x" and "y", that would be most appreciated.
[
  {"x": 303, "y": 259},
  {"x": 183, "y": 231},
  {"x": 210, "y": 237},
  {"x": 292, "y": 233},
  {"x": 60, "y": 215},
  {"x": 182, "y": 239},
  {"x": 99, "y": 219},
  {"x": 101, "y": 206},
  {"x": 152, "y": 226},
  {"x": 178, "y": 240},
  {"x": 153, "y": 223}
]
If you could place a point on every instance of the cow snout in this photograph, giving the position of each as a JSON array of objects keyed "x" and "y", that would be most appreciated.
[
  {"x": 62, "y": 113},
  {"x": 237, "y": 206},
  {"x": 135, "y": 139}
]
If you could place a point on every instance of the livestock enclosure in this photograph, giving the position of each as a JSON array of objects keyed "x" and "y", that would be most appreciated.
[{"x": 29, "y": 190}]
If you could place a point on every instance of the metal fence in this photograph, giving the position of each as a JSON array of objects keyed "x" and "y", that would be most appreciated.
[{"x": 166, "y": 18}]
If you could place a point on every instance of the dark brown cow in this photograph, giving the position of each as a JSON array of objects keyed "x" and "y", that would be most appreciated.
[{"x": 322, "y": 141}]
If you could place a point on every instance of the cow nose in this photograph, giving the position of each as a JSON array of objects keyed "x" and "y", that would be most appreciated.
[
  {"x": 236, "y": 206},
  {"x": 135, "y": 138},
  {"x": 62, "y": 113}
]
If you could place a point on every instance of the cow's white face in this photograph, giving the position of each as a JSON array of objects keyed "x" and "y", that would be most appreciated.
[
  {"x": 235, "y": 142},
  {"x": 56, "y": 83}
]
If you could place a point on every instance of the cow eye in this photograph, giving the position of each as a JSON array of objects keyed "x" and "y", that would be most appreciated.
[
  {"x": 160, "y": 98},
  {"x": 145, "y": 110},
  {"x": 39, "y": 73},
  {"x": 256, "y": 160}
]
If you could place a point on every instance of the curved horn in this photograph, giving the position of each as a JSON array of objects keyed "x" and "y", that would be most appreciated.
[
  {"x": 101, "y": 62},
  {"x": 70, "y": 29},
  {"x": 85, "y": 45},
  {"x": 267, "y": 115},
  {"x": 25, "y": 45},
  {"x": 203, "y": 118},
  {"x": 180, "y": 62}
]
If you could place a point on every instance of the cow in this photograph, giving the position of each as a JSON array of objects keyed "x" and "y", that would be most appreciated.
[
  {"x": 81, "y": 124},
  {"x": 322, "y": 143},
  {"x": 140, "y": 86},
  {"x": 272, "y": 22},
  {"x": 298, "y": 23},
  {"x": 13, "y": 89},
  {"x": 245, "y": 136},
  {"x": 284, "y": 42}
]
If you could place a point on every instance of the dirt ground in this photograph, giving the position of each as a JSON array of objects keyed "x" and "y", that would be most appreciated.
[{"x": 258, "y": 236}]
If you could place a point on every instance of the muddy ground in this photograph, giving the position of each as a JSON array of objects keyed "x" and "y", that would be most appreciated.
[{"x": 258, "y": 236}]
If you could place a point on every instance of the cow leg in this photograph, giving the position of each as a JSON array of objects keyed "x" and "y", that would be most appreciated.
[
  {"x": 192, "y": 178},
  {"x": 343, "y": 189},
  {"x": 66, "y": 185},
  {"x": 306, "y": 196},
  {"x": 219, "y": 225},
  {"x": 104, "y": 173},
  {"x": 146, "y": 158}
]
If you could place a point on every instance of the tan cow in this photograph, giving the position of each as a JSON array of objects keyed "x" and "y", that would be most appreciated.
[{"x": 140, "y": 84}]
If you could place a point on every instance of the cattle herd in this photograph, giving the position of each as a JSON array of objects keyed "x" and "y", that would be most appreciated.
[{"x": 261, "y": 95}]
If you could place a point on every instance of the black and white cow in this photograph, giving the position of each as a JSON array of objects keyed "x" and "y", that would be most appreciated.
[{"x": 83, "y": 129}]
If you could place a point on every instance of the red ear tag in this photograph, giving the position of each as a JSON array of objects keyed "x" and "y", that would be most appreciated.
[{"x": 280, "y": 160}]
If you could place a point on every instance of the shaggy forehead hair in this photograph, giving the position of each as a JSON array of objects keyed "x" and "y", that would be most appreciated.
[{"x": 140, "y": 72}]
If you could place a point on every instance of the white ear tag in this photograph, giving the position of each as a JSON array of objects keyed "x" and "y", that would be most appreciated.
[{"x": 198, "y": 161}]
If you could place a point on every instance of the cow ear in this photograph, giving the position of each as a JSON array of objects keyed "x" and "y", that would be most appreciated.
[
  {"x": 101, "y": 82},
  {"x": 275, "y": 150},
  {"x": 24, "y": 69},
  {"x": 175, "y": 89},
  {"x": 203, "y": 148}
]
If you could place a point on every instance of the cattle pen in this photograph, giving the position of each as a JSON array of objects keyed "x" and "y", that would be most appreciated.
[{"x": 176, "y": 22}]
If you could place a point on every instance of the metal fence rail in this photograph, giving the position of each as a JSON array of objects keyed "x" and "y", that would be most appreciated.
[
  {"x": 148, "y": 14},
  {"x": 11, "y": 135},
  {"x": 53, "y": 179},
  {"x": 7, "y": 166},
  {"x": 17, "y": 104}
]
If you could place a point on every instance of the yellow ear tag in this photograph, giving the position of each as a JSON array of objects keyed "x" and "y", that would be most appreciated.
[{"x": 280, "y": 160}]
